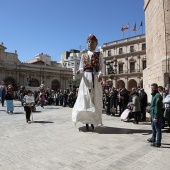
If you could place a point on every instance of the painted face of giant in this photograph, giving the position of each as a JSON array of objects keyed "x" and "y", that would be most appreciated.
[{"x": 92, "y": 42}]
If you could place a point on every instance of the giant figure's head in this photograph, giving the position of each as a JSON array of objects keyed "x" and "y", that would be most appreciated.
[{"x": 92, "y": 42}]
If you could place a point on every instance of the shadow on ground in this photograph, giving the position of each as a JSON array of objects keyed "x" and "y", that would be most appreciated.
[
  {"x": 115, "y": 130},
  {"x": 42, "y": 122},
  {"x": 24, "y": 112},
  {"x": 19, "y": 113},
  {"x": 50, "y": 108}
]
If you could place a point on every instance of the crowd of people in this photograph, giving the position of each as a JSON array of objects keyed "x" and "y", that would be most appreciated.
[
  {"x": 50, "y": 97},
  {"x": 120, "y": 99}
]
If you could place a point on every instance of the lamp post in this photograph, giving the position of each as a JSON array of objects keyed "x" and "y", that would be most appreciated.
[{"x": 112, "y": 72}]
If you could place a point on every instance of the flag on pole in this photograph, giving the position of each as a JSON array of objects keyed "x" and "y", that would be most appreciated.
[
  {"x": 125, "y": 28},
  {"x": 134, "y": 28},
  {"x": 141, "y": 24},
  {"x": 122, "y": 29}
]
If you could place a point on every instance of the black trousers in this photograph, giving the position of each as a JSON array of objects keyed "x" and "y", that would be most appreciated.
[
  {"x": 2, "y": 100},
  {"x": 136, "y": 116},
  {"x": 28, "y": 112}
]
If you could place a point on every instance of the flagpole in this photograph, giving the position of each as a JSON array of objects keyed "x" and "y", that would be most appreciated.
[
  {"x": 122, "y": 31},
  {"x": 142, "y": 28},
  {"x": 129, "y": 30}
]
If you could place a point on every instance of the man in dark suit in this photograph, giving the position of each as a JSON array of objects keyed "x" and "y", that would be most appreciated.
[{"x": 143, "y": 97}]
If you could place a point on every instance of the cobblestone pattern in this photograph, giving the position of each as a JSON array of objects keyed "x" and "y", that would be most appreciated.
[{"x": 53, "y": 142}]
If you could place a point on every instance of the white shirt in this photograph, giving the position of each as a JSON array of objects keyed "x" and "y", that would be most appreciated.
[{"x": 29, "y": 99}]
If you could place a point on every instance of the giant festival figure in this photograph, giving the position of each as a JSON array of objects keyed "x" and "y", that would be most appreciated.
[{"x": 88, "y": 106}]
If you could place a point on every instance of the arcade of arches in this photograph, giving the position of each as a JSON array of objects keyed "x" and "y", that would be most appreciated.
[
  {"x": 32, "y": 83},
  {"x": 131, "y": 83}
]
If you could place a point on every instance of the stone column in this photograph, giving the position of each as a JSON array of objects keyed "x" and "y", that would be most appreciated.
[
  {"x": 126, "y": 82},
  {"x": 139, "y": 68}
]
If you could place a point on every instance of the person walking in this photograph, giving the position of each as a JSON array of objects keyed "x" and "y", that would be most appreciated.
[{"x": 28, "y": 103}]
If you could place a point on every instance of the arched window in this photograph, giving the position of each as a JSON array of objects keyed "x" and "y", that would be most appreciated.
[
  {"x": 120, "y": 84},
  {"x": 55, "y": 85},
  {"x": 10, "y": 81},
  {"x": 132, "y": 83}
]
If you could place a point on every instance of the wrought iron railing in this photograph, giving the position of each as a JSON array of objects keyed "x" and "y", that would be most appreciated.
[
  {"x": 129, "y": 71},
  {"x": 125, "y": 71}
]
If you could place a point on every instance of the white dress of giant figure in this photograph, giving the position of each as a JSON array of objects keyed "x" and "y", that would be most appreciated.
[{"x": 88, "y": 106}]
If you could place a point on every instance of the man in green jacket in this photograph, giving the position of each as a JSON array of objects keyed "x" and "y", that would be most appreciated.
[{"x": 156, "y": 116}]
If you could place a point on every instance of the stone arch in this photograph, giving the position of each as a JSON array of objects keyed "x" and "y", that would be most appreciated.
[
  {"x": 55, "y": 85},
  {"x": 120, "y": 84},
  {"x": 120, "y": 62},
  {"x": 132, "y": 83},
  {"x": 10, "y": 81},
  {"x": 35, "y": 83},
  {"x": 131, "y": 60}
]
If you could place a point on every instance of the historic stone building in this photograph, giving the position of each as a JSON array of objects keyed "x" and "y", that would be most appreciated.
[
  {"x": 157, "y": 19},
  {"x": 34, "y": 72},
  {"x": 124, "y": 62}
]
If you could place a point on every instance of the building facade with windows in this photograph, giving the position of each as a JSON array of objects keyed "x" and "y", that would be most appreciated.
[
  {"x": 72, "y": 61},
  {"x": 33, "y": 72},
  {"x": 124, "y": 62}
]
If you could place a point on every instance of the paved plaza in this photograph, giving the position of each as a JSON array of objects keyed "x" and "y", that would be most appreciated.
[{"x": 53, "y": 142}]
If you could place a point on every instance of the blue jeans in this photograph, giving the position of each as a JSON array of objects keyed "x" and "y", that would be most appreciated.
[{"x": 156, "y": 130}]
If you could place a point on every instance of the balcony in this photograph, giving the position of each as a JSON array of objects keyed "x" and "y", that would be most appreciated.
[
  {"x": 129, "y": 54},
  {"x": 129, "y": 71}
]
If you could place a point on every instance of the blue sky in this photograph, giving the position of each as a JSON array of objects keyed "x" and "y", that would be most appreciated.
[{"x": 54, "y": 26}]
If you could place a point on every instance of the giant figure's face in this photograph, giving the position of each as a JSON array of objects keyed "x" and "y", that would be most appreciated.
[{"x": 91, "y": 45}]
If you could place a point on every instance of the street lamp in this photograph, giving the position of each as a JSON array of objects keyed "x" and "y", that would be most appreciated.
[
  {"x": 109, "y": 67},
  {"x": 112, "y": 72}
]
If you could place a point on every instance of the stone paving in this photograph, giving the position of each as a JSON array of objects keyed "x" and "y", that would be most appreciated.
[{"x": 53, "y": 142}]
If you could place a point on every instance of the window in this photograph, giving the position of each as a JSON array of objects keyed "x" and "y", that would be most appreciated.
[
  {"x": 120, "y": 51},
  {"x": 132, "y": 48},
  {"x": 144, "y": 46},
  {"x": 144, "y": 64},
  {"x": 109, "y": 52},
  {"x": 132, "y": 67},
  {"x": 120, "y": 68}
]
